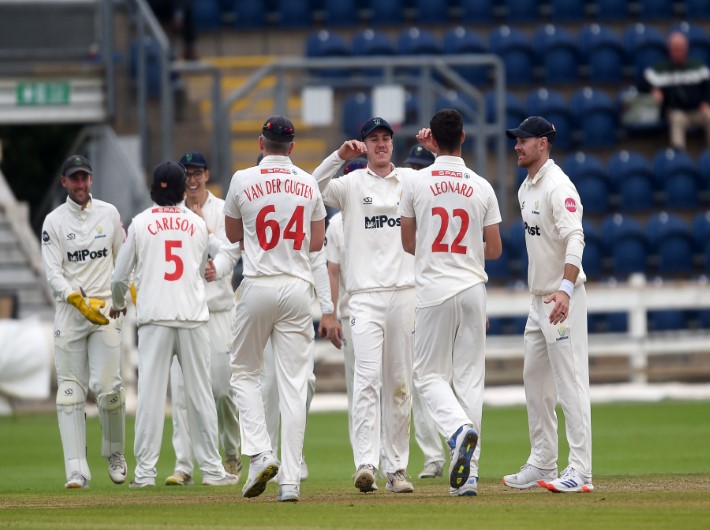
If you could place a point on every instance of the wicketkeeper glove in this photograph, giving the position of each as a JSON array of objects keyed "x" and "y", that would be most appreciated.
[
  {"x": 134, "y": 293},
  {"x": 90, "y": 310}
]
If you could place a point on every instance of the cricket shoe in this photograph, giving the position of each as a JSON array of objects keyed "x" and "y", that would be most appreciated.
[
  {"x": 262, "y": 468},
  {"x": 469, "y": 489},
  {"x": 227, "y": 480},
  {"x": 117, "y": 468},
  {"x": 571, "y": 482},
  {"x": 288, "y": 493},
  {"x": 140, "y": 485},
  {"x": 233, "y": 465},
  {"x": 76, "y": 481},
  {"x": 432, "y": 470},
  {"x": 365, "y": 478},
  {"x": 530, "y": 476},
  {"x": 463, "y": 444},
  {"x": 398, "y": 482},
  {"x": 179, "y": 478}
]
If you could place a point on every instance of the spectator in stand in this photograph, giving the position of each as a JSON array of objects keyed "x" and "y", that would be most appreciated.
[{"x": 681, "y": 85}]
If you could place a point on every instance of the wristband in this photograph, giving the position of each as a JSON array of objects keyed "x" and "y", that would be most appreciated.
[{"x": 567, "y": 287}]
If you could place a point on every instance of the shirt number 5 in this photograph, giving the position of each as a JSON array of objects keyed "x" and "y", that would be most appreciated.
[
  {"x": 170, "y": 245},
  {"x": 456, "y": 247}
]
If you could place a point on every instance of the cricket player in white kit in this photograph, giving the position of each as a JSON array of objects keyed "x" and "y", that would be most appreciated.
[
  {"x": 220, "y": 304},
  {"x": 80, "y": 241},
  {"x": 277, "y": 212},
  {"x": 556, "y": 340},
  {"x": 381, "y": 303},
  {"x": 450, "y": 219},
  {"x": 166, "y": 251}
]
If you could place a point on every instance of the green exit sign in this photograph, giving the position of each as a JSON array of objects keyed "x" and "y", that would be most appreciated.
[{"x": 43, "y": 93}]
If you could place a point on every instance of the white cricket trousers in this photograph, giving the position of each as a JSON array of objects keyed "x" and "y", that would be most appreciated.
[
  {"x": 382, "y": 325},
  {"x": 87, "y": 357},
  {"x": 450, "y": 362},
  {"x": 156, "y": 346},
  {"x": 220, "y": 327},
  {"x": 279, "y": 308},
  {"x": 349, "y": 364},
  {"x": 557, "y": 367}
]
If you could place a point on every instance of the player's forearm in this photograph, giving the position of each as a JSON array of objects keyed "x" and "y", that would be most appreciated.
[{"x": 327, "y": 170}]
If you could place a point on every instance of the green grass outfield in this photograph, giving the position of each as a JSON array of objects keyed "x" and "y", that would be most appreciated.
[{"x": 651, "y": 470}]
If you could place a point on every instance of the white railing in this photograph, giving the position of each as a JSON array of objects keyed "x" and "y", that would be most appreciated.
[{"x": 636, "y": 297}]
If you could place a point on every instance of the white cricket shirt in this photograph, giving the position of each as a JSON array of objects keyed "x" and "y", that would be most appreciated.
[
  {"x": 166, "y": 248},
  {"x": 376, "y": 260},
  {"x": 552, "y": 218},
  {"x": 276, "y": 202},
  {"x": 451, "y": 204},
  {"x": 79, "y": 248},
  {"x": 335, "y": 249}
]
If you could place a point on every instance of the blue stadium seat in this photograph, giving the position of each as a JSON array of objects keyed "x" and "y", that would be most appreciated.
[
  {"x": 514, "y": 110},
  {"x": 704, "y": 175},
  {"x": 519, "y": 253},
  {"x": 324, "y": 43},
  {"x": 357, "y": 109},
  {"x": 627, "y": 245},
  {"x": 593, "y": 256},
  {"x": 477, "y": 11},
  {"x": 602, "y": 53},
  {"x": 558, "y": 52},
  {"x": 516, "y": 52},
  {"x": 698, "y": 40},
  {"x": 645, "y": 46},
  {"x": 387, "y": 12},
  {"x": 462, "y": 41},
  {"x": 294, "y": 13},
  {"x": 632, "y": 181},
  {"x": 697, "y": 9},
  {"x": 453, "y": 99},
  {"x": 616, "y": 10},
  {"x": 207, "y": 14},
  {"x": 567, "y": 10},
  {"x": 655, "y": 10},
  {"x": 338, "y": 12},
  {"x": 249, "y": 14},
  {"x": 597, "y": 115},
  {"x": 671, "y": 244},
  {"x": 677, "y": 177},
  {"x": 552, "y": 105},
  {"x": 369, "y": 42},
  {"x": 589, "y": 176},
  {"x": 667, "y": 320},
  {"x": 701, "y": 238},
  {"x": 522, "y": 10},
  {"x": 498, "y": 270},
  {"x": 431, "y": 12},
  {"x": 417, "y": 41}
]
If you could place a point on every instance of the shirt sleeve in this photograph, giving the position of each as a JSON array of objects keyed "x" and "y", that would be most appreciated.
[
  {"x": 226, "y": 259},
  {"x": 321, "y": 281},
  {"x": 125, "y": 263},
  {"x": 333, "y": 242},
  {"x": 53, "y": 262},
  {"x": 567, "y": 215},
  {"x": 406, "y": 206},
  {"x": 231, "y": 203}
]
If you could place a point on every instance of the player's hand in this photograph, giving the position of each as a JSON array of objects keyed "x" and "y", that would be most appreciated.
[
  {"x": 352, "y": 149},
  {"x": 115, "y": 313},
  {"x": 197, "y": 209},
  {"x": 328, "y": 328},
  {"x": 560, "y": 311},
  {"x": 425, "y": 138},
  {"x": 89, "y": 307},
  {"x": 210, "y": 271},
  {"x": 488, "y": 323}
]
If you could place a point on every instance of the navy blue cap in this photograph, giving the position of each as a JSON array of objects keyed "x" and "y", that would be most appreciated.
[
  {"x": 420, "y": 156},
  {"x": 356, "y": 163},
  {"x": 279, "y": 129},
  {"x": 533, "y": 127},
  {"x": 193, "y": 158},
  {"x": 76, "y": 163},
  {"x": 169, "y": 175},
  {"x": 375, "y": 123}
]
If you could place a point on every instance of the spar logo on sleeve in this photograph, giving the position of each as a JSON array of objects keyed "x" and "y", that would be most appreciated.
[{"x": 570, "y": 204}]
